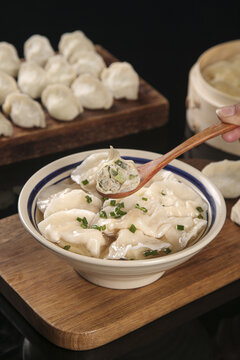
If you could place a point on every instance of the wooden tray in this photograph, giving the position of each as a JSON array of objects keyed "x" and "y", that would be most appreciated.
[
  {"x": 75, "y": 314},
  {"x": 124, "y": 118}
]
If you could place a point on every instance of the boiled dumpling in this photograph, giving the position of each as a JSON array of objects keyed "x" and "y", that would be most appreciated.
[
  {"x": 74, "y": 41},
  {"x": 59, "y": 71},
  {"x": 88, "y": 62},
  {"x": 75, "y": 199},
  {"x": 122, "y": 80},
  {"x": 85, "y": 173},
  {"x": 135, "y": 245},
  {"x": 75, "y": 235},
  {"x": 60, "y": 102},
  {"x": 50, "y": 192},
  {"x": 32, "y": 79},
  {"x": 6, "y": 128},
  {"x": 9, "y": 60},
  {"x": 7, "y": 86},
  {"x": 91, "y": 93},
  {"x": 24, "y": 111},
  {"x": 225, "y": 175},
  {"x": 235, "y": 212},
  {"x": 38, "y": 49}
]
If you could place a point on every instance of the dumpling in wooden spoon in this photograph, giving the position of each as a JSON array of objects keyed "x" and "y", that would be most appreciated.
[
  {"x": 7, "y": 86},
  {"x": 226, "y": 176},
  {"x": 60, "y": 102},
  {"x": 92, "y": 93},
  {"x": 9, "y": 60},
  {"x": 24, "y": 111}
]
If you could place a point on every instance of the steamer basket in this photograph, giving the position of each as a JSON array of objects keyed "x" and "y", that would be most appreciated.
[{"x": 203, "y": 99}]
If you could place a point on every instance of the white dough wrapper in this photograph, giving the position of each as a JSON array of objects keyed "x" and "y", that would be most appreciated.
[
  {"x": 52, "y": 191},
  {"x": 61, "y": 102},
  {"x": 87, "y": 62},
  {"x": 64, "y": 229},
  {"x": 235, "y": 212},
  {"x": 133, "y": 245},
  {"x": 24, "y": 111},
  {"x": 91, "y": 92},
  {"x": 74, "y": 199},
  {"x": 225, "y": 175},
  {"x": 75, "y": 41},
  {"x": 9, "y": 60},
  {"x": 6, "y": 128},
  {"x": 122, "y": 80},
  {"x": 32, "y": 79},
  {"x": 38, "y": 49},
  {"x": 59, "y": 71},
  {"x": 7, "y": 85},
  {"x": 85, "y": 173}
]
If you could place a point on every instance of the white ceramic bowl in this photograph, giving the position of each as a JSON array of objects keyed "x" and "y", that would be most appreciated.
[{"x": 119, "y": 274}]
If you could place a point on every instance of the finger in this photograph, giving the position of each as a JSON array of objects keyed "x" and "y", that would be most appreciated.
[
  {"x": 232, "y": 136},
  {"x": 229, "y": 114}
]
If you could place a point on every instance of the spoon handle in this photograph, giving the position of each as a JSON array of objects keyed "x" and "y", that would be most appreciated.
[{"x": 188, "y": 144}]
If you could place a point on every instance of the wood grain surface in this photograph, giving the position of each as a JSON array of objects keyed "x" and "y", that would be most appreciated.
[
  {"x": 75, "y": 314},
  {"x": 125, "y": 117}
]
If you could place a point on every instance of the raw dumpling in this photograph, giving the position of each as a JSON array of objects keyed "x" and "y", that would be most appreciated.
[
  {"x": 64, "y": 229},
  {"x": 235, "y": 212},
  {"x": 7, "y": 85},
  {"x": 24, "y": 111},
  {"x": 88, "y": 62},
  {"x": 59, "y": 71},
  {"x": 91, "y": 93},
  {"x": 38, "y": 49},
  {"x": 75, "y": 199},
  {"x": 6, "y": 128},
  {"x": 122, "y": 80},
  {"x": 74, "y": 41},
  {"x": 32, "y": 79},
  {"x": 226, "y": 176},
  {"x": 60, "y": 102},
  {"x": 135, "y": 245},
  {"x": 9, "y": 60}
]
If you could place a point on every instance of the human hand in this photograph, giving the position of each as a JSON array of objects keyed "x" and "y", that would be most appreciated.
[{"x": 231, "y": 115}]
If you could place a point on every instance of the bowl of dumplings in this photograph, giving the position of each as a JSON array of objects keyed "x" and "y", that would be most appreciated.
[
  {"x": 121, "y": 243},
  {"x": 62, "y": 83}
]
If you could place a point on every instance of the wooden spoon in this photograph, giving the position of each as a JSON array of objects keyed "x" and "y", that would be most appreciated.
[{"x": 148, "y": 170}]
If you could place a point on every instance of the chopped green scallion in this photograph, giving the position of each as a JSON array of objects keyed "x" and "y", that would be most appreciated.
[
  {"x": 88, "y": 198},
  {"x": 103, "y": 214},
  {"x": 167, "y": 250},
  {"x": 85, "y": 182},
  {"x": 151, "y": 252},
  {"x": 144, "y": 199},
  {"x": 133, "y": 228},
  {"x": 67, "y": 247},
  {"x": 200, "y": 216},
  {"x": 199, "y": 208},
  {"x": 113, "y": 202},
  {"x": 180, "y": 227},
  {"x": 121, "y": 164}
]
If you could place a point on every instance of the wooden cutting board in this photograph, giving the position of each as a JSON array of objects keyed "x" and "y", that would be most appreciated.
[
  {"x": 75, "y": 314},
  {"x": 125, "y": 117}
]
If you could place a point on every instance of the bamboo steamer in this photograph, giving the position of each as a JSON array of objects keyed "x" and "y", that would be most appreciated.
[{"x": 203, "y": 99}]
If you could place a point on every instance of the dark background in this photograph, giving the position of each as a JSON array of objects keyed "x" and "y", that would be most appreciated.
[{"x": 161, "y": 39}]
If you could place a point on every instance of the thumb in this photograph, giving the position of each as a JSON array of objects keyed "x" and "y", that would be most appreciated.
[{"x": 229, "y": 114}]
